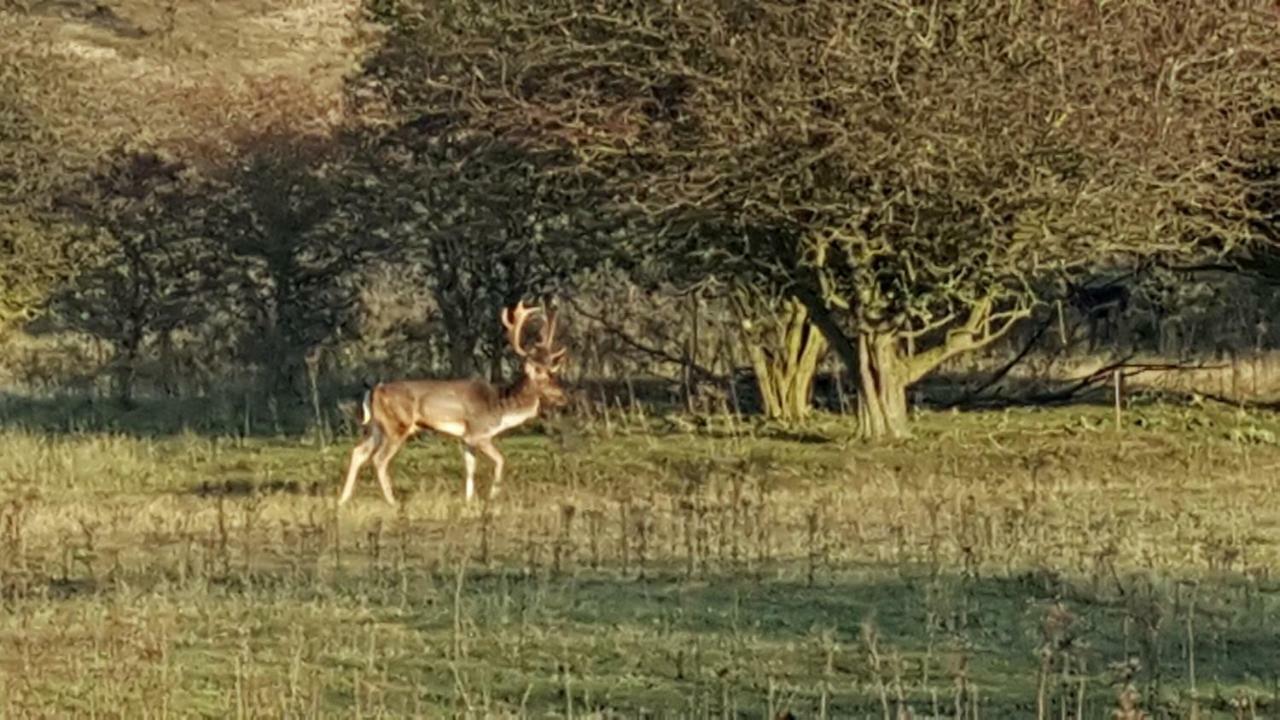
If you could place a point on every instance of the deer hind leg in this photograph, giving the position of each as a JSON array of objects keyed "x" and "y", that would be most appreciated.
[
  {"x": 382, "y": 459},
  {"x": 486, "y": 446},
  {"x": 469, "y": 460},
  {"x": 359, "y": 456}
]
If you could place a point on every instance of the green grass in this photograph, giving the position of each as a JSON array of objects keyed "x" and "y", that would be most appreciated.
[{"x": 654, "y": 568}]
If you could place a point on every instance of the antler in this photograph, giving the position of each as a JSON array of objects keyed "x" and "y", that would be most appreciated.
[
  {"x": 513, "y": 319},
  {"x": 548, "y": 331},
  {"x": 547, "y": 339}
]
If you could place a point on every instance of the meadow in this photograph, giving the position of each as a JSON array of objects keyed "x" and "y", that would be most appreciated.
[{"x": 1002, "y": 564}]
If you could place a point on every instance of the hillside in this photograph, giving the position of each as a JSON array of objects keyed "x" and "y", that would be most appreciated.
[
  {"x": 80, "y": 81},
  {"x": 190, "y": 71}
]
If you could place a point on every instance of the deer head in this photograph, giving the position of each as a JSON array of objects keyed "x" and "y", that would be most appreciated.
[{"x": 542, "y": 361}]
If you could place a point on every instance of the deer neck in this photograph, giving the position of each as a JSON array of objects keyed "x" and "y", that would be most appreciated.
[{"x": 521, "y": 396}]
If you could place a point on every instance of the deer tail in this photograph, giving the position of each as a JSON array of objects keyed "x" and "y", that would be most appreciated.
[{"x": 366, "y": 407}]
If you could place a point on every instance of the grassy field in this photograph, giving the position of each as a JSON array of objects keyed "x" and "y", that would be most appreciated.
[{"x": 1003, "y": 564}]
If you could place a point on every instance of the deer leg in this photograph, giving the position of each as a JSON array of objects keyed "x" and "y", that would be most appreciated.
[
  {"x": 359, "y": 456},
  {"x": 486, "y": 446},
  {"x": 382, "y": 459},
  {"x": 469, "y": 459}
]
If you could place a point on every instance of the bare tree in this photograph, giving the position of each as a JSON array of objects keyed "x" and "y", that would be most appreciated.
[{"x": 474, "y": 216}]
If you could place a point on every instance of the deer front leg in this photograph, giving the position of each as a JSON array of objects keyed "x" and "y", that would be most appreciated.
[
  {"x": 486, "y": 446},
  {"x": 359, "y": 456},
  {"x": 381, "y": 461},
  {"x": 469, "y": 460}
]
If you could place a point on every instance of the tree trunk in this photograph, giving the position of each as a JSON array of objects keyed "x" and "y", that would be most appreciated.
[
  {"x": 785, "y": 349},
  {"x": 126, "y": 380},
  {"x": 170, "y": 378},
  {"x": 126, "y": 371},
  {"x": 462, "y": 339},
  {"x": 884, "y": 367},
  {"x": 461, "y": 361},
  {"x": 286, "y": 375},
  {"x": 882, "y": 387}
]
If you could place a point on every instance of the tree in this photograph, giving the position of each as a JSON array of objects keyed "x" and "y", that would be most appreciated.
[
  {"x": 907, "y": 172},
  {"x": 77, "y": 86},
  {"x": 292, "y": 235},
  {"x": 1259, "y": 167},
  {"x": 784, "y": 346},
  {"x": 478, "y": 220},
  {"x": 144, "y": 262}
]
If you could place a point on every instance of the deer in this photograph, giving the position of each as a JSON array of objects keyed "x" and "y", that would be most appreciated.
[{"x": 471, "y": 410}]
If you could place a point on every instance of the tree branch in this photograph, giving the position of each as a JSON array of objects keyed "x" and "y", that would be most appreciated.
[
  {"x": 965, "y": 339},
  {"x": 1004, "y": 370}
]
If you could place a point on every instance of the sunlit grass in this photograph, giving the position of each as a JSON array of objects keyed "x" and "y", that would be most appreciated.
[{"x": 994, "y": 564}]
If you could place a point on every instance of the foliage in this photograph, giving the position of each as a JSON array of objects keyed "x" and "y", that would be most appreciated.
[
  {"x": 210, "y": 89},
  {"x": 40, "y": 150},
  {"x": 914, "y": 169},
  {"x": 1259, "y": 167},
  {"x": 144, "y": 262},
  {"x": 293, "y": 235},
  {"x": 478, "y": 223},
  {"x": 914, "y": 176}
]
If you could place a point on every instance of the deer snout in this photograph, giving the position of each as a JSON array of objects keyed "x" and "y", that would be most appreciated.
[{"x": 553, "y": 394}]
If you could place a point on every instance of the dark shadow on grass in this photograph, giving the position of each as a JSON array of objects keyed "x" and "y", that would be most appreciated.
[
  {"x": 946, "y": 391},
  {"x": 239, "y": 415},
  {"x": 71, "y": 588},
  {"x": 240, "y": 487},
  {"x": 674, "y": 632},
  {"x": 252, "y": 415},
  {"x": 997, "y": 621},
  {"x": 22, "y": 586}
]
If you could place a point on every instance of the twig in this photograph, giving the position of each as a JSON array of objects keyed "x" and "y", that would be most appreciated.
[
  {"x": 1127, "y": 370},
  {"x": 655, "y": 352},
  {"x": 1004, "y": 369}
]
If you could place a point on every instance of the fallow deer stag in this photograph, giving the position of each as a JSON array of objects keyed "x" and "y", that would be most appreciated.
[{"x": 471, "y": 410}]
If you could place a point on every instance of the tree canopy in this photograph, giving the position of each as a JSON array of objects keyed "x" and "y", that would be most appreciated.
[{"x": 911, "y": 172}]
